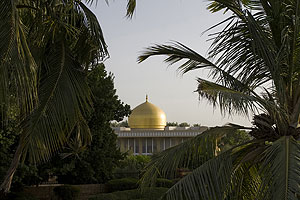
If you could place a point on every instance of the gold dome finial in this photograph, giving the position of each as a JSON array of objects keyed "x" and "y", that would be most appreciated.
[{"x": 147, "y": 116}]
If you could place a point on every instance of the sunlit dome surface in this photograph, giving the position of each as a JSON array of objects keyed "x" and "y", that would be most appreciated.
[{"x": 147, "y": 116}]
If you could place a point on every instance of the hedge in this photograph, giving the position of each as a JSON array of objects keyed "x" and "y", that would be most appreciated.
[
  {"x": 148, "y": 194},
  {"x": 66, "y": 192},
  {"x": 122, "y": 184}
]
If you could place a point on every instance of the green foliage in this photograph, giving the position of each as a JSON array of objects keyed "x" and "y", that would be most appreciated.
[
  {"x": 26, "y": 173},
  {"x": 8, "y": 140},
  {"x": 196, "y": 125},
  {"x": 73, "y": 170},
  {"x": 105, "y": 98},
  {"x": 46, "y": 51},
  {"x": 19, "y": 196},
  {"x": 132, "y": 166},
  {"x": 96, "y": 163},
  {"x": 138, "y": 162},
  {"x": 122, "y": 184},
  {"x": 233, "y": 139},
  {"x": 148, "y": 194},
  {"x": 162, "y": 182},
  {"x": 66, "y": 192},
  {"x": 172, "y": 124},
  {"x": 183, "y": 124}
]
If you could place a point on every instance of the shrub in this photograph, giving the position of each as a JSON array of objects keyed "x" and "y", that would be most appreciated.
[
  {"x": 153, "y": 193},
  {"x": 162, "y": 182},
  {"x": 20, "y": 196},
  {"x": 132, "y": 166},
  {"x": 66, "y": 192},
  {"x": 148, "y": 194},
  {"x": 126, "y": 173},
  {"x": 122, "y": 184}
]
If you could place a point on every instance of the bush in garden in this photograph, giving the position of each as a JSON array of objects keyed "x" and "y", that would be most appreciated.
[
  {"x": 66, "y": 192},
  {"x": 148, "y": 194},
  {"x": 122, "y": 184}
]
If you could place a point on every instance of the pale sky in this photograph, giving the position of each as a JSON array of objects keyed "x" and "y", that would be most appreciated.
[{"x": 158, "y": 22}]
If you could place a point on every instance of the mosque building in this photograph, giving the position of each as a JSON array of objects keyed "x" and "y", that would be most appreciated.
[{"x": 148, "y": 134}]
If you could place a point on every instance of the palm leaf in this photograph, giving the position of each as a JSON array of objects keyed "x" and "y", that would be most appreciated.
[
  {"x": 281, "y": 170},
  {"x": 95, "y": 31},
  {"x": 131, "y": 5},
  {"x": 17, "y": 66},
  {"x": 209, "y": 181},
  {"x": 64, "y": 96},
  {"x": 218, "y": 178},
  {"x": 189, "y": 154},
  {"x": 177, "y": 52},
  {"x": 229, "y": 100}
]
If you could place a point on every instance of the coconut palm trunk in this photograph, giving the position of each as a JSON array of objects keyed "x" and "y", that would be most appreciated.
[{"x": 6, "y": 184}]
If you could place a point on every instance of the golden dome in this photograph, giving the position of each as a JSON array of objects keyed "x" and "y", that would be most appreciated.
[{"x": 147, "y": 116}]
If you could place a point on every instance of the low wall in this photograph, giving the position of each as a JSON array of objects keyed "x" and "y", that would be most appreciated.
[{"x": 45, "y": 192}]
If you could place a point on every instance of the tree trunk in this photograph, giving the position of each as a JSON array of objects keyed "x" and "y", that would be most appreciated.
[{"x": 5, "y": 186}]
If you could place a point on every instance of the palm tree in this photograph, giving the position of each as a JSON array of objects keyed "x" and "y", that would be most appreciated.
[
  {"x": 254, "y": 67},
  {"x": 47, "y": 48}
]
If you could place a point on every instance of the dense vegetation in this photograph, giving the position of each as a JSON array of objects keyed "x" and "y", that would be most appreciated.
[
  {"x": 77, "y": 164},
  {"x": 47, "y": 48},
  {"x": 95, "y": 163}
]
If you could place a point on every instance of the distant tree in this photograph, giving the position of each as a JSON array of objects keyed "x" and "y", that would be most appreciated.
[
  {"x": 172, "y": 124},
  {"x": 184, "y": 124},
  {"x": 196, "y": 125}
]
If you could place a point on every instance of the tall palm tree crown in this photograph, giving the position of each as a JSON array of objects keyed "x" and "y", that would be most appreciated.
[
  {"x": 254, "y": 67},
  {"x": 47, "y": 48}
]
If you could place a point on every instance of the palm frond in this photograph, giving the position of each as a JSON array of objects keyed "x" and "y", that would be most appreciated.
[
  {"x": 218, "y": 178},
  {"x": 131, "y": 6},
  {"x": 233, "y": 5},
  {"x": 230, "y": 100},
  {"x": 281, "y": 170},
  {"x": 209, "y": 181},
  {"x": 17, "y": 66},
  {"x": 244, "y": 85},
  {"x": 189, "y": 154},
  {"x": 236, "y": 53},
  {"x": 95, "y": 31},
  {"x": 177, "y": 52},
  {"x": 64, "y": 98}
]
